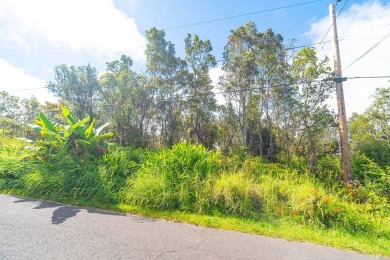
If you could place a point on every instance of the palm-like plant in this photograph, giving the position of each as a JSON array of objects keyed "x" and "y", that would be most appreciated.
[{"x": 80, "y": 139}]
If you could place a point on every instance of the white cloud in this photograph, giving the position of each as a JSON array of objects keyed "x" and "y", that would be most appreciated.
[
  {"x": 97, "y": 27},
  {"x": 214, "y": 74},
  {"x": 16, "y": 81},
  {"x": 359, "y": 28}
]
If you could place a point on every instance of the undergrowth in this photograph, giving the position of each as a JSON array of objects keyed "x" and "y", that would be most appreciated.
[{"x": 189, "y": 180}]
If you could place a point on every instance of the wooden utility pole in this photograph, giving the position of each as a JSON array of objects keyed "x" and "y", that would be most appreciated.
[{"x": 340, "y": 100}]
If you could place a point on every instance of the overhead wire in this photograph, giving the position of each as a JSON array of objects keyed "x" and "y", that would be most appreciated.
[
  {"x": 368, "y": 30},
  {"x": 357, "y": 77},
  {"x": 239, "y": 90},
  {"x": 29, "y": 52},
  {"x": 313, "y": 44},
  {"x": 241, "y": 15},
  {"x": 369, "y": 50},
  {"x": 326, "y": 33},
  {"x": 186, "y": 25},
  {"x": 262, "y": 11}
]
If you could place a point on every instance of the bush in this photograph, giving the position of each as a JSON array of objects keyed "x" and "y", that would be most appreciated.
[
  {"x": 117, "y": 165},
  {"x": 190, "y": 178},
  {"x": 79, "y": 140},
  {"x": 374, "y": 178},
  {"x": 236, "y": 194},
  {"x": 173, "y": 178},
  {"x": 329, "y": 170}
]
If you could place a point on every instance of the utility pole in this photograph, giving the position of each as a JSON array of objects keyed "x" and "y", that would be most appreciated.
[{"x": 340, "y": 100}]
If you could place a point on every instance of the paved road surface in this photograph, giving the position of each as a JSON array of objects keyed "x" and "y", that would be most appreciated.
[{"x": 32, "y": 229}]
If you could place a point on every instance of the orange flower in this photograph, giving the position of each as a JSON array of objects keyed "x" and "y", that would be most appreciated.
[
  {"x": 279, "y": 210},
  {"x": 326, "y": 198},
  {"x": 295, "y": 212},
  {"x": 337, "y": 210}
]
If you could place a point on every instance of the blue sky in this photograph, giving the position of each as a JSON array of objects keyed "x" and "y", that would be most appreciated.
[
  {"x": 290, "y": 22},
  {"x": 36, "y": 36}
]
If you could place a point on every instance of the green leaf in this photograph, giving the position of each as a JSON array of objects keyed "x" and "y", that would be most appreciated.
[
  {"x": 68, "y": 131},
  {"x": 83, "y": 143},
  {"x": 52, "y": 136},
  {"x": 38, "y": 122},
  {"x": 46, "y": 123},
  {"x": 68, "y": 115},
  {"x": 78, "y": 126},
  {"x": 100, "y": 137},
  {"x": 89, "y": 129}
]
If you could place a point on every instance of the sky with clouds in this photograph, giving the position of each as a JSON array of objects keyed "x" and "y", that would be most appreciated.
[{"x": 36, "y": 36}]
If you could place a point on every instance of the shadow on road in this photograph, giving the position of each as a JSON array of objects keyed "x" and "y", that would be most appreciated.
[
  {"x": 24, "y": 200},
  {"x": 102, "y": 212},
  {"x": 47, "y": 204},
  {"x": 62, "y": 213}
]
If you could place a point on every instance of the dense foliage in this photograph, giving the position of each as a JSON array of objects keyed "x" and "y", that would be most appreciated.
[
  {"x": 269, "y": 151},
  {"x": 192, "y": 179}
]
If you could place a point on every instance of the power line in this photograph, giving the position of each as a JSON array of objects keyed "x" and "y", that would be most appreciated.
[
  {"x": 241, "y": 15},
  {"x": 370, "y": 77},
  {"x": 187, "y": 25},
  {"x": 313, "y": 44},
  {"x": 363, "y": 77},
  {"x": 26, "y": 89},
  {"x": 370, "y": 49},
  {"x": 249, "y": 89},
  {"x": 368, "y": 30},
  {"x": 239, "y": 90},
  {"x": 342, "y": 8},
  {"x": 26, "y": 52}
]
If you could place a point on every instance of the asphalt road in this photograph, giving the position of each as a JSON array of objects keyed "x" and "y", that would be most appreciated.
[{"x": 32, "y": 229}]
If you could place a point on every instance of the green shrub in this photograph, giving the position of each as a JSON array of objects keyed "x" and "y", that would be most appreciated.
[
  {"x": 117, "y": 165},
  {"x": 173, "y": 178},
  {"x": 80, "y": 140},
  {"x": 190, "y": 178},
  {"x": 237, "y": 194},
  {"x": 328, "y": 170},
  {"x": 122, "y": 161},
  {"x": 374, "y": 178}
]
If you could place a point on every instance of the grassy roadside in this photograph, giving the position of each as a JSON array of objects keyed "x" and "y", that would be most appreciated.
[
  {"x": 189, "y": 184},
  {"x": 277, "y": 228}
]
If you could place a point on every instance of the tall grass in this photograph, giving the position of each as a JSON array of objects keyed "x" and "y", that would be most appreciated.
[
  {"x": 174, "y": 178},
  {"x": 189, "y": 178},
  {"x": 59, "y": 177}
]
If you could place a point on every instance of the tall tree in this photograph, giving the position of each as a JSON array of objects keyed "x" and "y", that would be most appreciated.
[
  {"x": 379, "y": 112},
  {"x": 201, "y": 105},
  {"x": 370, "y": 131},
  {"x": 9, "y": 106},
  {"x": 239, "y": 65},
  {"x": 126, "y": 101},
  {"x": 274, "y": 90},
  {"x": 30, "y": 109},
  {"x": 314, "y": 88},
  {"x": 167, "y": 75},
  {"x": 255, "y": 65},
  {"x": 78, "y": 86},
  {"x": 10, "y": 113}
]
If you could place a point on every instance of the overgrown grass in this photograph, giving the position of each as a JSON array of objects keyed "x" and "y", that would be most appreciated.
[{"x": 190, "y": 184}]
